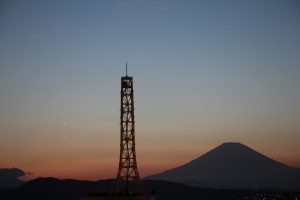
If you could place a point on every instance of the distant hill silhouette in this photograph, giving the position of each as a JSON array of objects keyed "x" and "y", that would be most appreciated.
[
  {"x": 233, "y": 165},
  {"x": 9, "y": 178},
  {"x": 51, "y": 188}
]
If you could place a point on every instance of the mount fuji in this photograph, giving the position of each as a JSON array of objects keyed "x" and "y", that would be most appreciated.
[{"x": 234, "y": 166}]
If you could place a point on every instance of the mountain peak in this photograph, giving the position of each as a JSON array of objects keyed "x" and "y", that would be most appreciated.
[
  {"x": 232, "y": 144},
  {"x": 237, "y": 145},
  {"x": 232, "y": 150}
]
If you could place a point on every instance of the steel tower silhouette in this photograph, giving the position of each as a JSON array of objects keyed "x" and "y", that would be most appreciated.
[{"x": 128, "y": 179}]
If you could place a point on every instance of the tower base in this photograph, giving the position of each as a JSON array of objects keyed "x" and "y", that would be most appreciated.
[{"x": 125, "y": 197}]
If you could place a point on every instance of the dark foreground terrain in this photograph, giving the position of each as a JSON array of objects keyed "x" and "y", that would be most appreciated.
[{"x": 55, "y": 189}]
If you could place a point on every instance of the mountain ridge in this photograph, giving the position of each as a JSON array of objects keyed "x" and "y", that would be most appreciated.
[
  {"x": 9, "y": 178},
  {"x": 68, "y": 189}
]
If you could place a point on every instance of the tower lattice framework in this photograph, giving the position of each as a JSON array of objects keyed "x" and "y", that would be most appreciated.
[{"x": 128, "y": 179}]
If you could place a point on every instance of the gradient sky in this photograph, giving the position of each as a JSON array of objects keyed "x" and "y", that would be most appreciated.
[{"x": 205, "y": 72}]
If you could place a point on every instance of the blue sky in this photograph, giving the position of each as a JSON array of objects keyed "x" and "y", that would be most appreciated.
[{"x": 205, "y": 72}]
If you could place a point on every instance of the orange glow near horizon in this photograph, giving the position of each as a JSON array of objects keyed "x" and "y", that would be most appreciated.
[
  {"x": 85, "y": 172},
  {"x": 88, "y": 155},
  {"x": 70, "y": 166}
]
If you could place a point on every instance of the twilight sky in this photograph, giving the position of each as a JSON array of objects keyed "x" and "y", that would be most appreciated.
[{"x": 205, "y": 72}]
